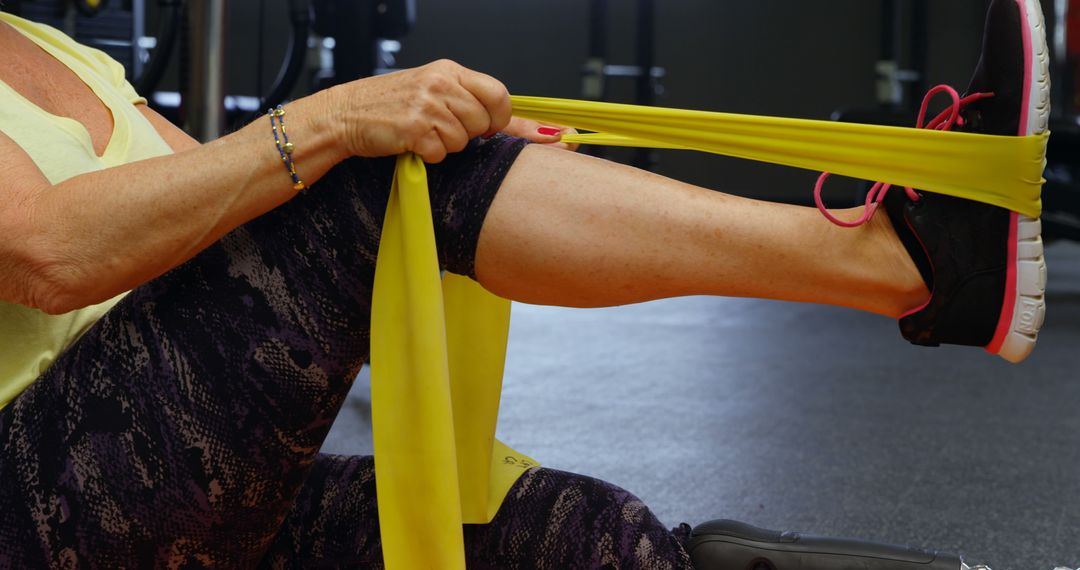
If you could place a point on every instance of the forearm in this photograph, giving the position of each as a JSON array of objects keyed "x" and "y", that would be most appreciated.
[
  {"x": 137, "y": 221},
  {"x": 94, "y": 236}
]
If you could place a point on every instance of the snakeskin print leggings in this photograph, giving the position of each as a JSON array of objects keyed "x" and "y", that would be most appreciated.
[{"x": 183, "y": 430}]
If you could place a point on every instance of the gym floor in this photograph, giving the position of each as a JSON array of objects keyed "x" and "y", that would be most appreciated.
[{"x": 806, "y": 418}]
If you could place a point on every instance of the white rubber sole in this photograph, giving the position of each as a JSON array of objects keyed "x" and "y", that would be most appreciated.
[{"x": 1018, "y": 332}]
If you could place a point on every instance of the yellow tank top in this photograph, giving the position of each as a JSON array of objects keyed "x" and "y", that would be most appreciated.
[{"x": 31, "y": 340}]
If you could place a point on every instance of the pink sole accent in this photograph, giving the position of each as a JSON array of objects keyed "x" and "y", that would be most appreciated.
[{"x": 1008, "y": 304}]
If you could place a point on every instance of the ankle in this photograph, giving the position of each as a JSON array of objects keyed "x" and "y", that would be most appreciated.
[{"x": 905, "y": 287}]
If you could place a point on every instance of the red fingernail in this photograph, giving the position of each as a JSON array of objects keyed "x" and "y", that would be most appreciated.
[{"x": 548, "y": 131}]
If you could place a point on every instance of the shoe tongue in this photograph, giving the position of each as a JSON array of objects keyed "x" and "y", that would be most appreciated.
[{"x": 895, "y": 203}]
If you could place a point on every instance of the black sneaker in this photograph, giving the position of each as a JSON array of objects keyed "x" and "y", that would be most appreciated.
[
  {"x": 732, "y": 545},
  {"x": 983, "y": 264}
]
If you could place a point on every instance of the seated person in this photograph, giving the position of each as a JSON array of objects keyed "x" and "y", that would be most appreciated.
[{"x": 180, "y": 323}]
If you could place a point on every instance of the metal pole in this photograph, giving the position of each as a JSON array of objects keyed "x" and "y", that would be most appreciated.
[
  {"x": 887, "y": 45},
  {"x": 594, "y": 84},
  {"x": 593, "y": 80},
  {"x": 205, "y": 101},
  {"x": 138, "y": 30},
  {"x": 1062, "y": 86},
  {"x": 646, "y": 43},
  {"x": 354, "y": 36},
  {"x": 920, "y": 40},
  {"x": 888, "y": 64},
  {"x": 645, "y": 92}
]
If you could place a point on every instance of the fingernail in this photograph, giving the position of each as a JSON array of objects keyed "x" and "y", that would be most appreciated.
[{"x": 548, "y": 131}]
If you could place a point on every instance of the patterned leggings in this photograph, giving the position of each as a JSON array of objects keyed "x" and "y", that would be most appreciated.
[{"x": 183, "y": 429}]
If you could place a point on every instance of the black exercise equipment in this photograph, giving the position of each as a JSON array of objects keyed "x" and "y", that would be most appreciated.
[
  {"x": 171, "y": 13},
  {"x": 901, "y": 76},
  {"x": 901, "y": 66},
  {"x": 300, "y": 21},
  {"x": 111, "y": 26},
  {"x": 358, "y": 29},
  {"x": 902, "y": 72},
  {"x": 90, "y": 8},
  {"x": 115, "y": 27},
  {"x": 597, "y": 70},
  {"x": 291, "y": 69},
  {"x": 1061, "y": 194}
]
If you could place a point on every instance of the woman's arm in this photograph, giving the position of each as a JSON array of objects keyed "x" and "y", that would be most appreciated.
[
  {"x": 176, "y": 138},
  {"x": 96, "y": 235}
]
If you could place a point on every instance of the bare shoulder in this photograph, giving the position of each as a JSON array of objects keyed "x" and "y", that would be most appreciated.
[{"x": 175, "y": 137}]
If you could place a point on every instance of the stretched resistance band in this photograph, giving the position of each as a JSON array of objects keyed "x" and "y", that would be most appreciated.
[
  {"x": 998, "y": 170},
  {"x": 438, "y": 345}
]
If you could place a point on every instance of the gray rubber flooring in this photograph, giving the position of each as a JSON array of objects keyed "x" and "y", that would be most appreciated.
[{"x": 808, "y": 418}]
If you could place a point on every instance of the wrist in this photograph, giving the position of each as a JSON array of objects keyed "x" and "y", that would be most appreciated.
[
  {"x": 323, "y": 124},
  {"x": 333, "y": 122},
  {"x": 313, "y": 132}
]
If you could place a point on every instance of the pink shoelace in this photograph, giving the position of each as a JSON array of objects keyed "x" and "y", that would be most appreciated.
[{"x": 944, "y": 121}]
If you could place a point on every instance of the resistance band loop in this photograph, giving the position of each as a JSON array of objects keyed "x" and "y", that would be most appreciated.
[
  {"x": 997, "y": 170},
  {"x": 437, "y": 353},
  {"x": 438, "y": 345}
]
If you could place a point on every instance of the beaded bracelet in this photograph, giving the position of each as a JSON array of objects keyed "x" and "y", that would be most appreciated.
[{"x": 277, "y": 123}]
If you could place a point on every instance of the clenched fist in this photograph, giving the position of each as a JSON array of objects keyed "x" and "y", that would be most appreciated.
[{"x": 432, "y": 111}]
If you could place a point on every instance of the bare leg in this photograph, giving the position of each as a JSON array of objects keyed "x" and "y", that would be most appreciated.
[{"x": 572, "y": 230}]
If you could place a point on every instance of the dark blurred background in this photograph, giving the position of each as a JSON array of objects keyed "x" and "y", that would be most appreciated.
[
  {"x": 774, "y": 57},
  {"x": 855, "y": 60}
]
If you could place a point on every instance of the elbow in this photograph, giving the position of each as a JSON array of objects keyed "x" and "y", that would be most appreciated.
[
  {"x": 54, "y": 286},
  {"x": 59, "y": 303},
  {"x": 54, "y": 294},
  {"x": 43, "y": 269}
]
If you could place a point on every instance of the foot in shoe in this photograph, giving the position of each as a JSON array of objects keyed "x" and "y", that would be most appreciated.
[
  {"x": 727, "y": 544},
  {"x": 983, "y": 264}
]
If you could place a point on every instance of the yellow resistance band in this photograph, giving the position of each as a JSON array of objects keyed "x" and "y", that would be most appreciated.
[
  {"x": 438, "y": 346},
  {"x": 998, "y": 170},
  {"x": 436, "y": 378}
]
